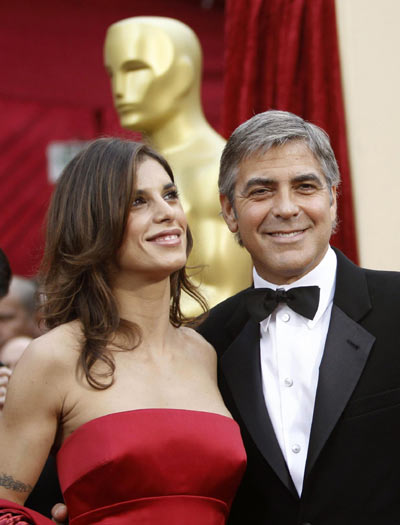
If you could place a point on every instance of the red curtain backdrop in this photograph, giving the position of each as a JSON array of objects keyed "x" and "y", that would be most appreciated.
[
  {"x": 283, "y": 54},
  {"x": 25, "y": 189},
  {"x": 53, "y": 87}
]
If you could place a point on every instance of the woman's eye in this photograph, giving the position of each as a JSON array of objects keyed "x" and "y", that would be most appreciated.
[
  {"x": 137, "y": 202},
  {"x": 171, "y": 195}
]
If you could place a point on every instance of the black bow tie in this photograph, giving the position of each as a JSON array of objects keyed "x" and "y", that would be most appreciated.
[{"x": 261, "y": 302}]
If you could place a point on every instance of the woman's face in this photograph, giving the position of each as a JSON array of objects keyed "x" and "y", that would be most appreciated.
[{"x": 154, "y": 244}]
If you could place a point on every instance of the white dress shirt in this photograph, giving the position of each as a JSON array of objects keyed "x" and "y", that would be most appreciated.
[{"x": 291, "y": 349}]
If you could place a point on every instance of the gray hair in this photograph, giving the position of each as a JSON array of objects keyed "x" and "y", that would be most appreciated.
[
  {"x": 267, "y": 130},
  {"x": 25, "y": 290}
]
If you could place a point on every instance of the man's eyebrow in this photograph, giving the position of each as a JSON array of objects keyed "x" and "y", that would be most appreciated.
[
  {"x": 266, "y": 181},
  {"x": 258, "y": 181},
  {"x": 304, "y": 177}
]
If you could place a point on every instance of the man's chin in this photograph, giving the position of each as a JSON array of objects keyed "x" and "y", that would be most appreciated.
[{"x": 285, "y": 270}]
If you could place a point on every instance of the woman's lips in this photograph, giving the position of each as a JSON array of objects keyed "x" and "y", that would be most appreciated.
[{"x": 169, "y": 238}]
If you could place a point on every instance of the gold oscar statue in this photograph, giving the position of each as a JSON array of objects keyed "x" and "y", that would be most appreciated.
[{"x": 155, "y": 68}]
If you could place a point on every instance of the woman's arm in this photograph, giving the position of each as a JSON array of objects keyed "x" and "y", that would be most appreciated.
[{"x": 28, "y": 423}]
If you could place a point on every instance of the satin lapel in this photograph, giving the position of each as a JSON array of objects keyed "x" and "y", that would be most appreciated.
[
  {"x": 241, "y": 367},
  {"x": 346, "y": 351}
]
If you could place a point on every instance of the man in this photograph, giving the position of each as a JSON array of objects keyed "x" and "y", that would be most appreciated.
[
  {"x": 18, "y": 310},
  {"x": 17, "y": 318},
  {"x": 12, "y": 350},
  {"x": 317, "y": 393},
  {"x": 5, "y": 274},
  {"x": 5, "y": 277},
  {"x": 155, "y": 68},
  {"x": 17, "y": 326}
]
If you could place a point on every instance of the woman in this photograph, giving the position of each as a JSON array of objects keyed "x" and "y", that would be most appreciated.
[{"x": 119, "y": 386}]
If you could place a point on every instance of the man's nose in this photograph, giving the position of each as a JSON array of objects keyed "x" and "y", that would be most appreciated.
[{"x": 285, "y": 204}]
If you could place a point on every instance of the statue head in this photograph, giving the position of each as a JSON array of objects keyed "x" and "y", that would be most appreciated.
[{"x": 155, "y": 65}]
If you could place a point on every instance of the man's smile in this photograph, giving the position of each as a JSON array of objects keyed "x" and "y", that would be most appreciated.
[{"x": 284, "y": 234}]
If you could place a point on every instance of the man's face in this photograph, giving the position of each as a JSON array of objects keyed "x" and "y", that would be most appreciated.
[
  {"x": 14, "y": 319},
  {"x": 139, "y": 62},
  {"x": 283, "y": 212}
]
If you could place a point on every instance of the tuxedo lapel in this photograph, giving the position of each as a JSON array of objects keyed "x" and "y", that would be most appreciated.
[
  {"x": 241, "y": 368},
  {"x": 346, "y": 352}
]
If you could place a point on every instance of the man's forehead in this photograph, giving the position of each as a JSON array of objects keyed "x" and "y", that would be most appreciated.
[{"x": 289, "y": 160}]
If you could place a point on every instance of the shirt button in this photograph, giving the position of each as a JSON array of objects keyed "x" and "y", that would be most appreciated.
[
  {"x": 296, "y": 448},
  {"x": 288, "y": 382},
  {"x": 285, "y": 317}
]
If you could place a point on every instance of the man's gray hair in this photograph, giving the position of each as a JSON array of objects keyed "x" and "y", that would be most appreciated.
[
  {"x": 267, "y": 130},
  {"x": 25, "y": 290}
]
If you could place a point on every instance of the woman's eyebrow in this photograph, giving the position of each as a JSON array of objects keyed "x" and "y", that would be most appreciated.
[{"x": 167, "y": 186}]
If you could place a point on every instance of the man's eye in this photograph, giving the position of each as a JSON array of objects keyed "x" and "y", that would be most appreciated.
[
  {"x": 307, "y": 187},
  {"x": 259, "y": 192},
  {"x": 6, "y": 317}
]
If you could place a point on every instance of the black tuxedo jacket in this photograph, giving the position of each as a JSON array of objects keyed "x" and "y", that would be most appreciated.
[{"x": 352, "y": 474}]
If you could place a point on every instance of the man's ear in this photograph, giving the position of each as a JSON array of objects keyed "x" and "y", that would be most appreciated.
[
  {"x": 228, "y": 213},
  {"x": 334, "y": 204}
]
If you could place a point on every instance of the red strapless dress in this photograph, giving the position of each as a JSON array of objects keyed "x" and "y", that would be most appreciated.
[{"x": 150, "y": 466}]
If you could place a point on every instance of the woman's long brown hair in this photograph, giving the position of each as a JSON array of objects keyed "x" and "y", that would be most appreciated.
[{"x": 86, "y": 221}]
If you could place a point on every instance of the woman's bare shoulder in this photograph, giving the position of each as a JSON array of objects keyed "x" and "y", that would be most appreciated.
[
  {"x": 57, "y": 348},
  {"x": 45, "y": 373},
  {"x": 198, "y": 345}
]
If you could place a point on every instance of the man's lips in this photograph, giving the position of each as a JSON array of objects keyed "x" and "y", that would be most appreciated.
[{"x": 286, "y": 234}]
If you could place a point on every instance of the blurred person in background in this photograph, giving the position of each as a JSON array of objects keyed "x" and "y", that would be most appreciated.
[
  {"x": 5, "y": 274},
  {"x": 17, "y": 315},
  {"x": 18, "y": 310},
  {"x": 12, "y": 350},
  {"x": 5, "y": 277},
  {"x": 18, "y": 323}
]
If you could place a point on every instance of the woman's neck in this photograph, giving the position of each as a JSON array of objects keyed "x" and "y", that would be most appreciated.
[{"x": 147, "y": 305}]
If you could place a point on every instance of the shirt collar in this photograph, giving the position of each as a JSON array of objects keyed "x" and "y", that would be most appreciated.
[{"x": 323, "y": 275}]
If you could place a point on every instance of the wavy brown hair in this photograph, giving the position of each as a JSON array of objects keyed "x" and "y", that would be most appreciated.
[{"x": 86, "y": 221}]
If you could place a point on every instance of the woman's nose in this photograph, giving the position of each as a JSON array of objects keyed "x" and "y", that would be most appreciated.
[{"x": 163, "y": 211}]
